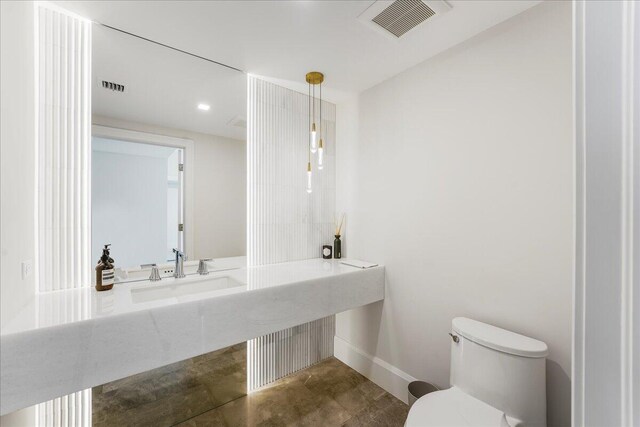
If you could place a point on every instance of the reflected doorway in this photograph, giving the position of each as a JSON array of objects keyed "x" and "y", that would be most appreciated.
[{"x": 137, "y": 200}]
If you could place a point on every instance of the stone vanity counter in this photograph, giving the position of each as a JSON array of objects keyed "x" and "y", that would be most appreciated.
[{"x": 75, "y": 339}]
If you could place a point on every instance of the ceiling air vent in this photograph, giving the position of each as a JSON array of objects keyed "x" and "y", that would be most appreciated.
[
  {"x": 238, "y": 121},
  {"x": 112, "y": 86},
  {"x": 396, "y": 18}
]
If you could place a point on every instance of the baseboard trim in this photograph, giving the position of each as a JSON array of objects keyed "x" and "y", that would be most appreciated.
[{"x": 387, "y": 376}]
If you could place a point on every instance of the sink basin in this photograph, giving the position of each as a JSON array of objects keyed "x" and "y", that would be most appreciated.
[{"x": 182, "y": 288}]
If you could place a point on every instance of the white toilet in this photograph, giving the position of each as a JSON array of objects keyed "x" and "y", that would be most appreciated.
[{"x": 497, "y": 379}]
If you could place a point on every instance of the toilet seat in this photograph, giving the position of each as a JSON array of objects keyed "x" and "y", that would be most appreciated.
[{"x": 455, "y": 408}]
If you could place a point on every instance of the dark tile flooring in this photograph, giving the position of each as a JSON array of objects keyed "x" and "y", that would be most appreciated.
[
  {"x": 171, "y": 394},
  {"x": 326, "y": 394},
  {"x": 209, "y": 390}
]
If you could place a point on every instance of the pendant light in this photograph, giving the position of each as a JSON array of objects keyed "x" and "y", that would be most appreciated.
[
  {"x": 309, "y": 144},
  {"x": 316, "y": 145}
]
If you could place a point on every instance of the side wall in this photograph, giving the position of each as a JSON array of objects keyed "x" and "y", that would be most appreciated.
[
  {"x": 17, "y": 155},
  {"x": 17, "y": 167},
  {"x": 462, "y": 186}
]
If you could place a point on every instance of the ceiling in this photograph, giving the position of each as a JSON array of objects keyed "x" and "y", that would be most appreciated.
[
  {"x": 164, "y": 87},
  {"x": 282, "y": 40}
]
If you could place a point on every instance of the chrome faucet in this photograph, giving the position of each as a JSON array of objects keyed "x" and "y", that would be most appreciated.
[{"x": 178, "y": 271}]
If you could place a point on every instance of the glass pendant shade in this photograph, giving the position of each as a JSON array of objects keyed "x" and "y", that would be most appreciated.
[
  {"x": 320, "y": 155},
  {"x": 309, "y": 178},
  {"x": 314, "y": 144}
]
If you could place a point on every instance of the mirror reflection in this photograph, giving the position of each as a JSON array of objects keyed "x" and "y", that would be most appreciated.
[
  {"x": 137, "y": 203},
  {"x": 168, "y": 157}
]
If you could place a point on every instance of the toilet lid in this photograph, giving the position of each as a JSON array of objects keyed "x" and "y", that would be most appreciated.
[{"x": 454, "y": 408}]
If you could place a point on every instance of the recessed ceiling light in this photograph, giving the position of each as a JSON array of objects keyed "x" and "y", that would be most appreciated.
[{"x": 204, "y": 107}]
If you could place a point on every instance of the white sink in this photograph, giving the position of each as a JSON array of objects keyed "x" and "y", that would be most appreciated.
[{"x": 181, "y": 288}]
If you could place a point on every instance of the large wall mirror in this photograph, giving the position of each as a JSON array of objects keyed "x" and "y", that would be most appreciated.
[{"x": 168, "y": 157}]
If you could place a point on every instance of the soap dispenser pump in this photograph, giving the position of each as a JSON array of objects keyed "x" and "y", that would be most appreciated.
[{"x": 105, "y": 272}]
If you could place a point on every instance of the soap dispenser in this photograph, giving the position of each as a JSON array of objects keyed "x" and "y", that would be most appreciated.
[{"x": 105, "y": 273}]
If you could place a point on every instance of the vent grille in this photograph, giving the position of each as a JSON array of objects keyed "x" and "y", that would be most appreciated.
[
  {"x": 403, "y": 15},
  {"x": 112, "y": 86},
  {"x": 238, "y": 121}
]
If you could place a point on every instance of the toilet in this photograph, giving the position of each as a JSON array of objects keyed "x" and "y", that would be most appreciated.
[{"x": 497, "y": 380}]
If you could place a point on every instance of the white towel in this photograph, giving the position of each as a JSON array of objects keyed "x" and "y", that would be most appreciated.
[{"x": 358, "y": 263}]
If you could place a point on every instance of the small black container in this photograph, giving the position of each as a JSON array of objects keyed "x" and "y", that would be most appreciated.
[
  {"x": 337, "y": 247},
  {"x": 417, "y": 389},
  {"x": 327, "y": 251}
]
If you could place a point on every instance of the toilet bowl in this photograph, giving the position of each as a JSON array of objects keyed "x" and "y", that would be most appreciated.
[
  {"x": 497, "y": 379},
  {"x": 455, "y": 408}
]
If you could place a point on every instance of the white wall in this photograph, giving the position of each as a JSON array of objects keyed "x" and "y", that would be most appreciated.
[
  {"x": 17, "y": 166},
  {"x": 462, "y": 186},
  {"x": 220, "y": 213},
  {"x": 17, "y": 154},
  {"x": 220, "y": 189}
]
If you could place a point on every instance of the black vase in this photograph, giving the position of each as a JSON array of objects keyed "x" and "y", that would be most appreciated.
[{"x": 337, "y": 247}]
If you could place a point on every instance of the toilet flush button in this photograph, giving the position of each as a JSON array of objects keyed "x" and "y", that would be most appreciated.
[{"x": 454, "y": 338}]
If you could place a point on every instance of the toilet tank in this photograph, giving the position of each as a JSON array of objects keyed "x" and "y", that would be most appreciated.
[{"x": 503, "y": 369}]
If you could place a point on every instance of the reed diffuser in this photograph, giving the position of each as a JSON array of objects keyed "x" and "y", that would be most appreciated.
[{"x": 337, "y": 244}]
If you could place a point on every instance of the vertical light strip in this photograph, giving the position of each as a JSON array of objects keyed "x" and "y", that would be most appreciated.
[
  {"x": 64, "y": 122},
  {"x": 73, "y": 410},
  {"x": 63, "y": 117},
  {"x": 277, "y": 355},
  {"x": 285, "y": 223},
  {"x": 629, "y": 48}
]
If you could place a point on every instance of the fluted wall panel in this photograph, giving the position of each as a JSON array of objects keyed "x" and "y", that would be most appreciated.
[
  {"x": 72, "y": 410},
  {"x": 63, "y": 100},
  {"x": 285, "y": 223},
  {"x": 63, "y": 75},
  {"x": 277, "y": 355}
]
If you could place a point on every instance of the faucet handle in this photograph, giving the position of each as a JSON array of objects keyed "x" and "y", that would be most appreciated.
[
  {"x": 203, "y": 269},
  {"x": 179, "y": 253},
  {"x": 155, "y": 274}
]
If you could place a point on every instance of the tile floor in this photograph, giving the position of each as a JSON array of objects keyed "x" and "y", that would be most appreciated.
[
  {"x": 171, "y": 394},
  {"x": 326, "y": 394},
  {"x": 200, "y": 392}
]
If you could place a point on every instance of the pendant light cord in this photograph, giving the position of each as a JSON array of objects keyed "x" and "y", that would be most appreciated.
[{"x": 313, "y": 117}]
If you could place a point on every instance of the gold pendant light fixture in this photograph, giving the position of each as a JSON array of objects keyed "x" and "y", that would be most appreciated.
[{"x": 316, "y": 145}]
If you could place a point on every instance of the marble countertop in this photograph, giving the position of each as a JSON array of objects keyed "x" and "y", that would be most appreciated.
[
  {"x": 70, "y": 340},
  {"x": 57, "y": 308}
]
